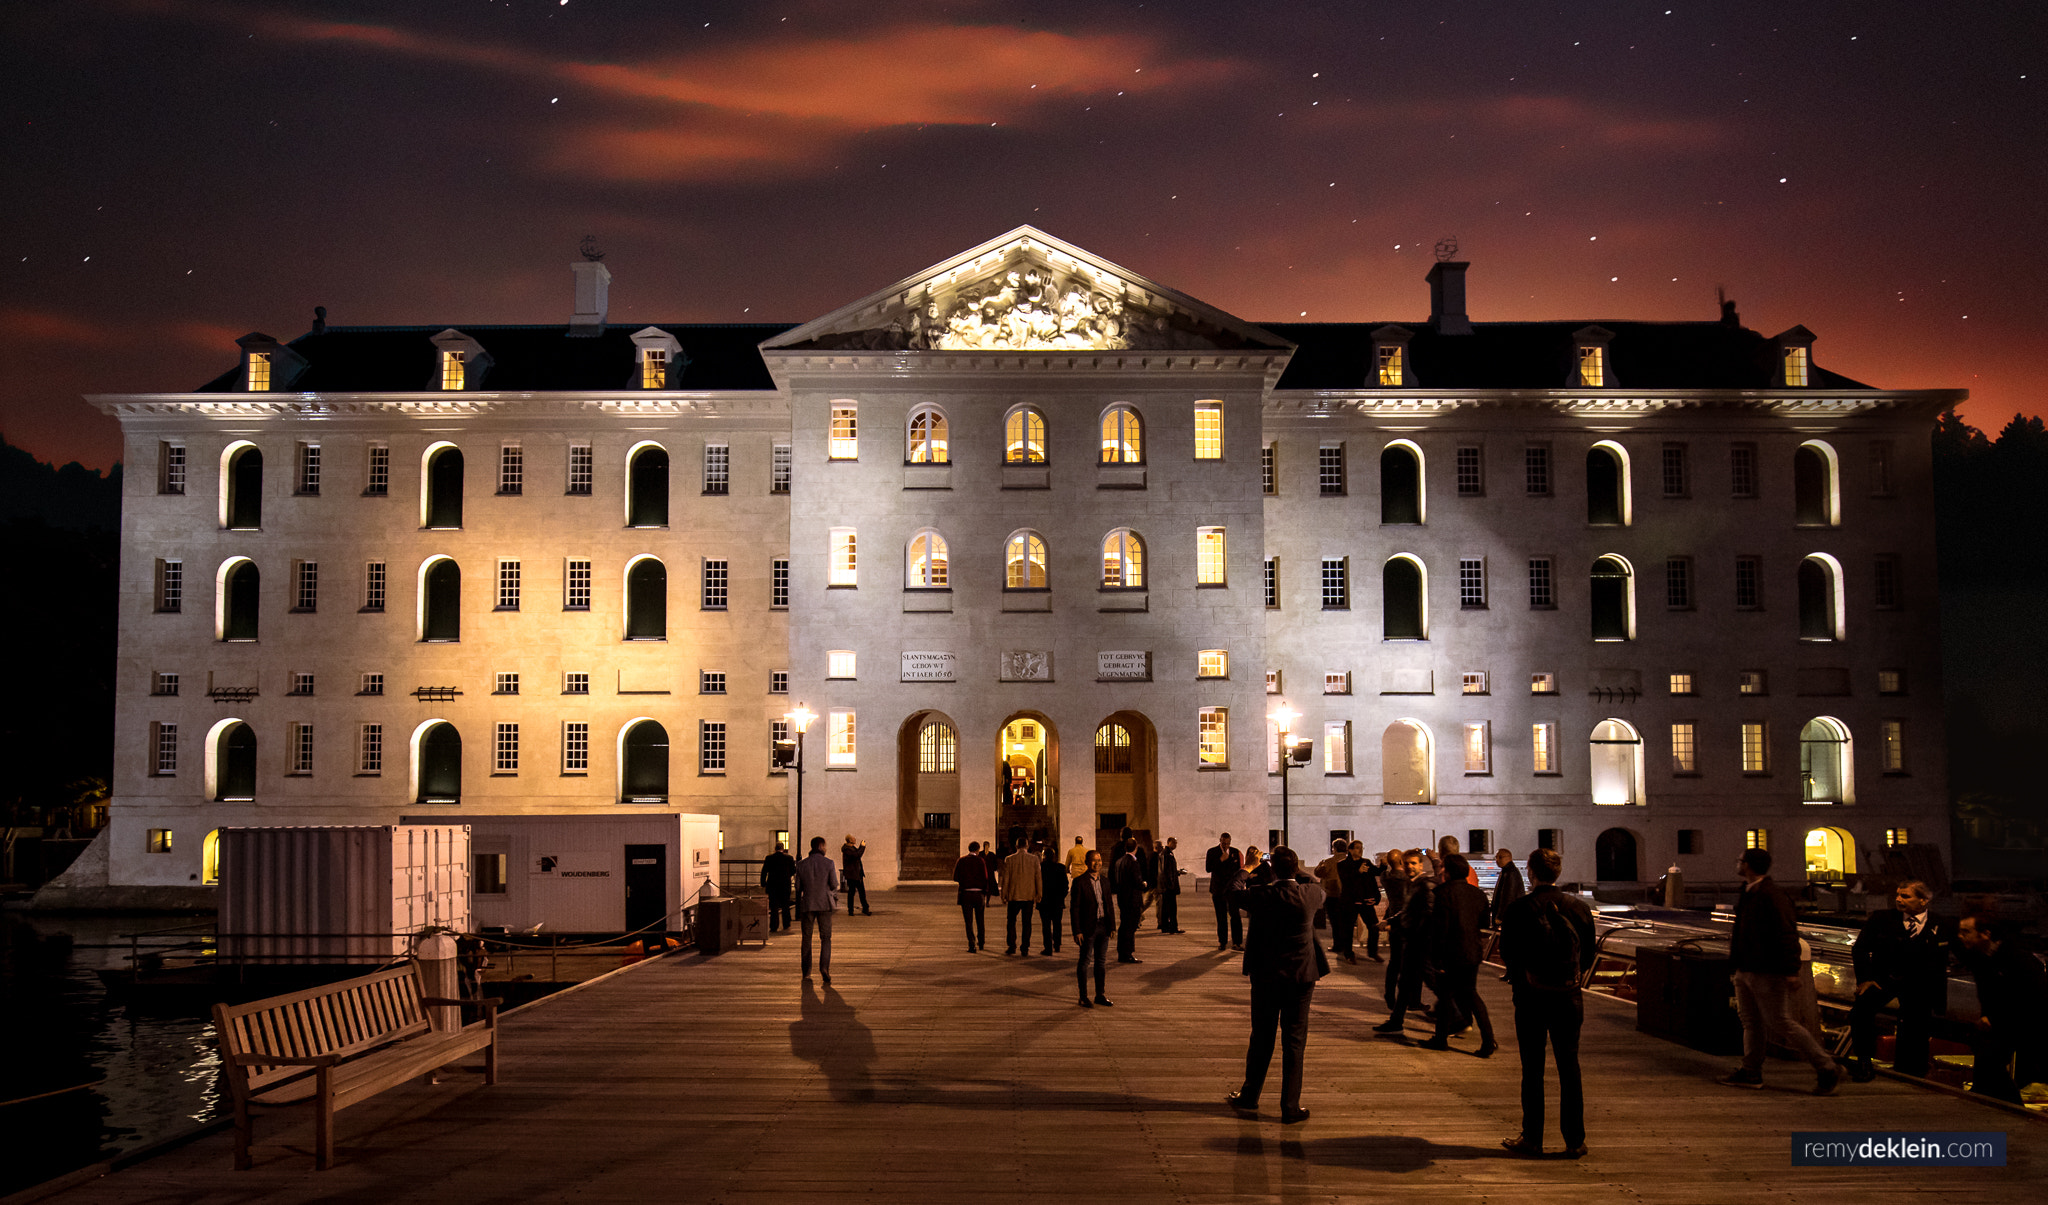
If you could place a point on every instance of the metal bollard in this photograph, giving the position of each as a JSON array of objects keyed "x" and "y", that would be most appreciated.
[{"x": 440, "y": 976}]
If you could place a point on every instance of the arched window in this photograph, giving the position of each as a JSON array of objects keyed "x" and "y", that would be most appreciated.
[
  {"x": 437, "y": 763},
  {"x": 1824, "y": 763},
  {"x": 1616, "y": 763},
  {"x": 440, "y": 601},
  {"x": 647, "y": 600},
  {"x": 1123, "y": 436},
  {"x": 1607, "y": 485},
  {"x": 1112, "y": 749},
  {"x": 1123, "y": 560},
  {"x": 1407, "y": 772},
  {"x": 927, "y": 562},
  {"x": 1614, "y": 599},
  {"x": 647, "y": 487},
  {"x": 643, "y": 763},
  {"x": 240, "y": 590},
  {"x": 938, "y": 749},
  {"x": 1024, "y": 562},
  {"x": 1820, "y": 598},
  {"x": 1024, "y": 436},
  {"x": 1404, "y": 597},
  {"x": 209, "y": 858},
  {"x": 1816, "y": 489},
  {"x": 234, "y": 761},
  {"x": 1401, "y": 483},
  {"x": 1614, "y": 857},
  {"x": 928, "y": 437},
  {"x": 443, "y": 503},
  {"x": 241, "y": 478}
]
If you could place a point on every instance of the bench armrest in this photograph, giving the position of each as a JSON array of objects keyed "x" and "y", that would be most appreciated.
[
  {"x": 284, "y": 1060},
  {"x": 445, "y": 1002}
]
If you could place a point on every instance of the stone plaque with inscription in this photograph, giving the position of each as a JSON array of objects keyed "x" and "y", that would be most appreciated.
[
  {"x": 927, "y": 667},
  {"x": 1026, "y": 665},
  {"x": 1123, "y": 666}
]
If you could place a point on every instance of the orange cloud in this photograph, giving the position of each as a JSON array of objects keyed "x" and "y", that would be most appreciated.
[{"x": 41, "y": 326}]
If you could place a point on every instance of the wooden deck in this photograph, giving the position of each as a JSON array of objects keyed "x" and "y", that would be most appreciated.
[{"x": 927, "y": 1075}]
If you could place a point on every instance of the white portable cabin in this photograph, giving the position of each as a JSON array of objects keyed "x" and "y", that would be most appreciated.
[
  {"x": 607, "y": 873},
  {"x": 340, "y": 893}
]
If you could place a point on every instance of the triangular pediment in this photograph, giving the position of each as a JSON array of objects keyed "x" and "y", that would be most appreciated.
[{"x": 1026, "y": 291}]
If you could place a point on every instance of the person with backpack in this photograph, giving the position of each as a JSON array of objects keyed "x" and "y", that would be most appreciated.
[{"x": 1546, "y": 940}]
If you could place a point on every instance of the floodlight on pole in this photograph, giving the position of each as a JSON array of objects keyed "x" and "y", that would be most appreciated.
[
  {"x": 800, "y": 719},
  {"x": 1283, "y": 718}
]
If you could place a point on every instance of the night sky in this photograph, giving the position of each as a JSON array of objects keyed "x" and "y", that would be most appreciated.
[{"x": 175, "y": 173}]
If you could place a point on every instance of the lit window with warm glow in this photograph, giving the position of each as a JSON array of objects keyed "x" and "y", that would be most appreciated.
[
  {"x": 1024, "y": 437},
  {"x": 1213, "y": 747},
  {"x": 1024, "y": 562},
  {"x": 1897, "y": 836},
  {"x": 451, "y": 370},
  {"x": 928, "y": 437},
  {"x": 1684, "y": 760},
  {"x": 845, "y": 442},
  {"x": 839, "y": 739},
  {"x": 1474, "y": 682},
  {"x": 1543, "y": 748},
  {"x": 1478, "y": 749},
  {"x": 1542, "y": 684},
  {"x": 1392, "y": 357},
  {"x": 1212, "y": 663},
  {"x": 1122, "y": 437},
  {"x": 927, "y": 561},
  {"x": 1209, "y": 556},
  {"x": 1892, "y": 758},
  {"x": 1123, "y": 561},
  {"x": 845, "y": 565},
  {"x": 840, "y": 663},
  {"x": 1592, "y": 365},
  {"x": 1208, "y": 430},
  {"x": 1337, "y": 747},
  {"x": 1756, "y": 838},
  {"x": 1755, "y": 749},
  {"x": 654, "y": 368},
  {"x": 1681, "y": 684},
  {"x": 259, "y": 371},
  {"x": 1797, "y": 362}
]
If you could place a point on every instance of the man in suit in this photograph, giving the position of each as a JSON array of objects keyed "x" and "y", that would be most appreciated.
[
  {"x": 1546, "y": 940},
  {"x": 1093, "y": 916},
  {"x": 971, "y": 872},
  {"x": 817, "y": 899},
  {"x": 1224, "y": 864},
  {"x": 1901, "y": 954},
  {"x": 1128, "y": 879},
  {"x": 1052, "y": 899},
  {"x": 1283, "y": 959},
  {"x": 778, "y": 879},
  {"x": 1168, "y": 877},
  {"x": 1023, "y": 881},
  {"x": 2012, "y": 992},
  {"x": 1360, "y": 880},
  {"x": 1457, "y": 945},
  {"x": 1507, "y": 888},
  {"x": 1764, "y": 951},
  {"x": 1409, "y": 942}
]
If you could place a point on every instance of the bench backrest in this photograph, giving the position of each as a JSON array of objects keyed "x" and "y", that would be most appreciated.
[{"x": 341, "y": 1019}]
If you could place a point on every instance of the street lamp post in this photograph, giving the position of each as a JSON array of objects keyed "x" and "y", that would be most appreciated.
[
  {"x": 1284, "y": 717},
  {"x": 800, "y": 719}
]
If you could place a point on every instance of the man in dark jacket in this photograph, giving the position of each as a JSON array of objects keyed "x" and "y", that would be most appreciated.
[
  {"x": 853, "y": 873},
  {"x": 1283, "y": 960},
  {"x": 1093, "y": 913},
  {"x": 778, "y": 879},
  {"x": 1052, "y": 900},
  {"x": 1546, "y": 940},
  {"x": 1901, "y": 954},
  {"x": 1360, "y": 881},
  {"x": 977, "y": 882},
  {"x": 1410, "y": 941},
  {"x": 1166, "y": 874},
  {"x": 1394, "y": 881},
  {"x": 1507, "y": 888},
  {"x": 1128, "y": 880},
  {"x": 1224, "y": 865},
  {"x": 1457, "y": 945},
  {"x": 1764, "y": 952},
  {"x": 2012, "y": 992}
]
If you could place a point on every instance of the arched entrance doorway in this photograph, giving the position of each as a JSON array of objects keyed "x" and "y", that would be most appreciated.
[
  {"x": 1830, "y": 855},
  {"x": 1824, "y": 762},
  {"x": 1614, "y": 857},
  {"x": 1126, "y": 777},
  {"x": 1027, "y": 777},
  {"x": 928, "y": 795}
]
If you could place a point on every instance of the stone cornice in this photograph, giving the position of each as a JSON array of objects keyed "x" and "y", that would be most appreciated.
[
  {"x": 1805, "y": 403},
  {"x": 435, "y": 404}
]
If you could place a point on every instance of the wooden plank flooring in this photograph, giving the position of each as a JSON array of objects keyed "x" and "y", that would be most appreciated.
[{"x": 929, "y": 1076}]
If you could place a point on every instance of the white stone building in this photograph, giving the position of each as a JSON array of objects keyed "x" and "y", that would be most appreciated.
[{"x": 1042, "y": 543}]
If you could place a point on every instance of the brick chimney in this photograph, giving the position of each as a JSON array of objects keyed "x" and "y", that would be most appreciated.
[
  {"x": 593, "y": 298},
  {"x": 1447, "y": 298}
]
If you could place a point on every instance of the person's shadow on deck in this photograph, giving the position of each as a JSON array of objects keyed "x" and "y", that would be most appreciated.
[
  {"x": 1360, "y": 1152},
  {"x": 827, "y": 1033}
]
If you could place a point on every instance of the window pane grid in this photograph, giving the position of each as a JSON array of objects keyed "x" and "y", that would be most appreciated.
[
  {"x": 505, "y": 756},
  {"x": 778, "y": 469},
  {"x": 1536, "y": 470},
  {"x": 1210, "y": 556},
  {"x": 1122, "y": 438},
  {"x": 1212, "y": 663},
  {"x": 1471, "y": 482},
  {"x": 166, "y": 748},
  {"x": 714, "y": 591},
  {"x": 1677, "y": 483},
  {"x": 1208, "y": 431},
  {"x": 1337, "y": 747},
  {"x": 1336, "y": 590},
  {"x": 1024, "y": 562},
  {"x": 1541, "y": 591},
  {"x": 582, "y": 469},
  {"x": 171, "y": 586},
  {"x": 373, "y": 586},
  {"x": 1330, "y": 469},
  {"x": 370, "y": 750},
  {"x": 1268, "y": 482},
  {"x": 508, "y": 585},
  {"x": 1024, "y": 437},
  {"x": 309, "y": 468},
  {"x": 174, "y": 468},
  {"x": 306, "y": 591},
  {"x": 1471, "y": 582},
  {"x": 1683, "y": 755},
  {"x": 937, "y": 750},
  {"x": 576, "y": 587},
  {"x": 1542, "y": 746},
  {"x": 1742, "y": 471},
  {"x": 711, "y": 747},
  {"x": 845, "y": 564},
  {"x": 1678, "y": 583},
  {"x": 1213, "y": 743},
  {"x": 302, "y": 748},
  {"x": 1749, "y": 593},
  {"x": 845, "y": 437},
  {"x": 778, "y": 583},
  {"x": 575, "y": 746},
  {"x": 717, "y": 468},
  {"x": 511, "y": 469},
  {"x": 377, "y": 483},
  {"x": 928, "y": 442},
  {"x": 1272, "y": 573},
  {"x": 839, "y": 746},
  {"x": 1754, "y": 749}
]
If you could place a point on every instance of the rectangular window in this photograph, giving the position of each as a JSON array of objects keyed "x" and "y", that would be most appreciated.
[
  {"x": 1472, "y": 583},
  {"x": 1336, "y": 681},
  {"x": 582, "y": 470},
  {"x": 1272, "y": 681},
  {"x": 1683, "y": 758},
  {"x": 1891, "y": 681},
  {"x": 845, "y": 565},
  {"x": 1886, "y": 583},
  {"x": 300, "y": 737},
  {"x": 1213, "y": 743},
  {"x": 717, "y": 468},
  {"x": 1212, "y": 663},
  {"x": 373, "y": 585},
  {"x": 1678, "y": 583},
  {"x": 1272, "y": 582},
  {"x": 576, "y": 586},
  {"x": 1892, "y": 734},
  {"x": 1881, "y": 468},
  {"x": 1478, "y": 748},
  {"x": 490, "y": 874},
  {"x": 1897, "y": 837},
  {"x": 1543, "y": 748},
  {"x": 1471, "y": 473},
  {"x": 711, "y": 747},
  {"x": 1542, "y": 595},
  {"x": 1756, "y": 838},
  {"x": 1592, "y": 365},
  {"x": 164, "y": 744},
  {"x": 778, "y": 583},
  {"x": 1330, "y": 469},
  {"x": 1796, "y": 361},
  {"x": 170, "y": 461},
  {"x": 506, "y": 684},
  {"x": 1750, "y": 682},
  {"x": 308, "y": 478},
  {"x": 1542, "y": 684},
  {"x": 370, "y": 750},
  {"x": 508, "y": 585},
  {"x": 711, "y": 682},
  {"x": 373, "y": 684},
  {"x": 1390, "y": 370},
  {"x": 575, "y": 747},
  {"x": 511, "y": 469},
  {"x": 654, "y": 368},
  {"x": 1473, "y": 682},
  {"x": 778, "y": 469},
  {"x": 1336, "y": 585},
  {"x": 575, "y": 684},
  {"x": 1677, "y": 477},
  {"x": 158, "y": 840},
  {"x": 1210, "y": 556},
  {"x": 1208, "y": 430},
  {"x": 778, "y": 682},
  {"x": 1749, "y": 583},
  {"x": 1692, "y": 840},
  {"x": 1681, "y": 684},
  {"x": 451, "y": 369},
  {"x": 778, "y": 734},
  {"x": 302, "y": 684},
  {"x": 839, "y": 747},
  {"x": 1742, "y": 470},
  {"x": 1337, "y": 746},
  {"x": 845, "y": 443},
  {"x": 377, "y": 475},
  {"x": 163, "y": 684},
  {"x": 505, "y": 750},
  {"x": 839, "y": 663},
  {"x": 1536, "y": 469},
  {"x": 170, "y": 585},
  {"x": 305, "y": 585},
  {"x": 1269, "y": 482},
  {"x": 714, "y": 592},
  {"x": 1755, "y": 749}
]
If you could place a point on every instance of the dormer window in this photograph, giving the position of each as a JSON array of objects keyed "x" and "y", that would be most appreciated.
[
  {"x": 1795, "y": 359},
  {"x": 460, "y": 362},
  {"x": 259, "y": 372},
  {"x": 267, "y": 365},
  {"x": 1390, "y": 357},
  {"x": 1591, "y": 368},
  {"x": 1390, "y": 364},
  {"x": 660, "y": 359},
  {"x": 653, "y": 368},
  {"x": 451, "y": 369}
]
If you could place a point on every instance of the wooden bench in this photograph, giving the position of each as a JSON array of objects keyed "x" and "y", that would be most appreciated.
[{"x": 340, "y": 1045}]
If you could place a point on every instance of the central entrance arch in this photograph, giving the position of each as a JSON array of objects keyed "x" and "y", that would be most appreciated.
[
  {"x": 927, "y": 796},
  {"x": 1126, "y": 776},
  {"x": 1027, "y": 776}
]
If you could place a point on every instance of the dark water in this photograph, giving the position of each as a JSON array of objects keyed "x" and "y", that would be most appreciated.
[{"x": 61, "y": 1028}]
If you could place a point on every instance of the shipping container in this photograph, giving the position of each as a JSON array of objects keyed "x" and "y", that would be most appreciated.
[
  {"x": 332, "y": 894},
  {"x": 605, "y": 873}
]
